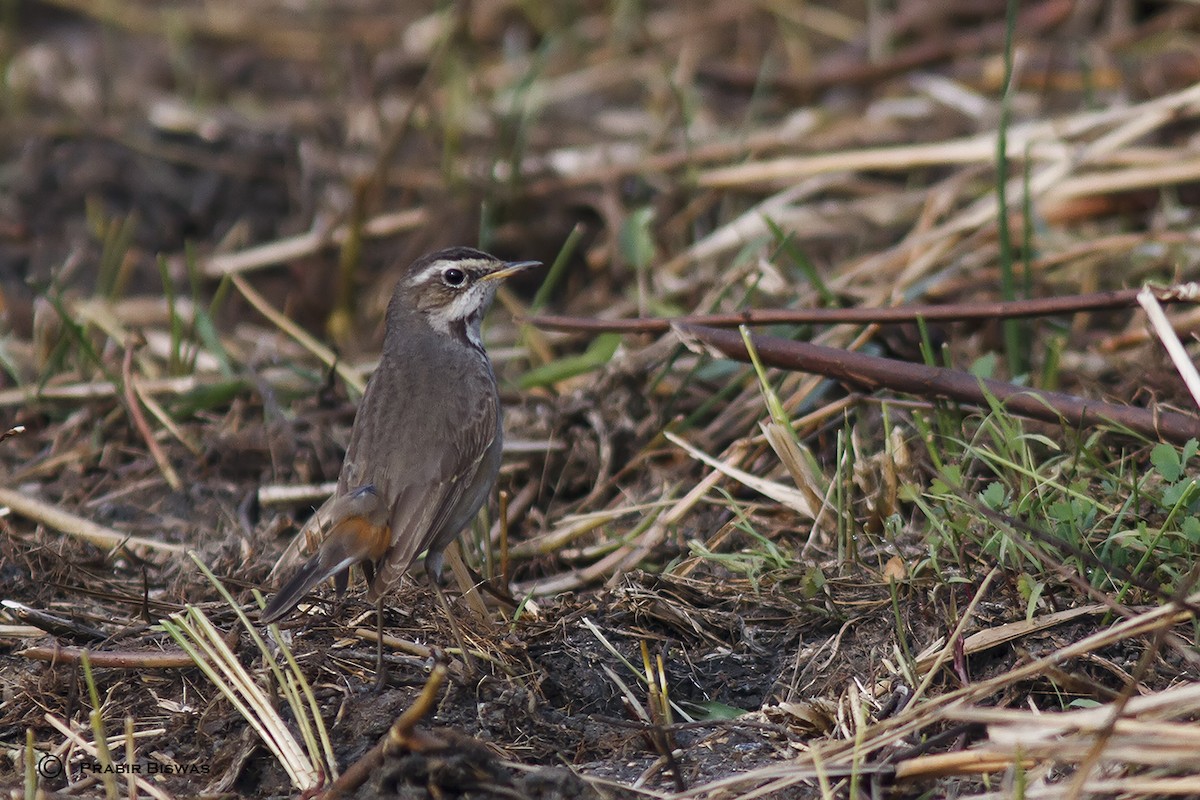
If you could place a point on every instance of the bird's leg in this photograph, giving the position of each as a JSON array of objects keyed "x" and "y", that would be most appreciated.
[
  {"x": 468, "y": 659},
  {"x": 380, "y": 667}
]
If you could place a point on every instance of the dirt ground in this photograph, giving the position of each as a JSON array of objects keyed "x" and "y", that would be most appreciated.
[{"x": 154, "y": 144}]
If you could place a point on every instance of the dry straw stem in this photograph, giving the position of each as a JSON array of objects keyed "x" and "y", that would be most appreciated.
[
  {"x": 135, "y": 311},
  {"x": 840, "y": 755},
  {"x": 457, "y": 669},
  {"x": 1001, "y": 634},
  {"x": 1097, "y": 139},
  {"x": 1184, "y": 322},
  {"x": 94, "y": 390},
  {"x": 164, "y": 419},
  {"x": 961, "y": 762},
  {"x": 1128, "y": 786},
  {"x": 278, "y": 378},
  {"x": 646, "y": 678},
  {"x": 629, "y": 554},
  {"x": 291, "y": 495},
  {"x": 570, "y": 528},
  {"x": 193, "y": 631},
  {"x": 139, "y": 423},
  {"x": 1139, "y": 735},
  {"x": 608, "y": 161},
  {"x": 288, "y": 678},
  {"x": 468, "y": 591},
  {"x": 130, "y": 755},
  {"x": 947, "y": 651},
  {"x": 21, "y": 632},
  {"x": 282, "y": 251},
  {"x": 73, "y": 525},
  {"x": 1166, "y": 334},
  {"x": 83, "y": 744},
  {"x": 1041, "y": 141},
  {"x": 400, "y": 737},
  {"x": 794, "y": 499},
  {"x": 302, "y": 337}
]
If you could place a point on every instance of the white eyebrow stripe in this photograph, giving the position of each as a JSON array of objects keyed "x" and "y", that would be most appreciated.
[
  {"x": 437, "y": 267},
  {"x": 433, "y": 269}
]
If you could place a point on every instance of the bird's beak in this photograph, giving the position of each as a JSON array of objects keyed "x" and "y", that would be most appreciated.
[{"x": 510, "y": 268}]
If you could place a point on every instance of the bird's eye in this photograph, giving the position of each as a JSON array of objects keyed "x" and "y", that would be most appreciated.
[{"x": 454, "y": 276}]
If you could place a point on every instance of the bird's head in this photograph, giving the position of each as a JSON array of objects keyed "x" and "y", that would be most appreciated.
[{"x": 452, "y": 289}]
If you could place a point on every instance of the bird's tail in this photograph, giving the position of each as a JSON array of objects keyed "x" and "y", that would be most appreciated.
[{"x": 353, "y": 540}]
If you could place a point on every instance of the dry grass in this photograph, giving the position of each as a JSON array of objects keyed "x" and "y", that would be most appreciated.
[{"x": 730, "y": 581}]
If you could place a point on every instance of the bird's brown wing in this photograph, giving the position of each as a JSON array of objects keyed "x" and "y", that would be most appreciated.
[
  {"x": 424, "y": 503},
  {"x": 418, "y": 454}
]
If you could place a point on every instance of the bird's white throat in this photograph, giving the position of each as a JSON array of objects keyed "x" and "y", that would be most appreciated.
[{"x": 465, "y": 311}]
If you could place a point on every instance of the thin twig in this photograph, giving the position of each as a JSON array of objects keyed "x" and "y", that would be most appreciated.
[
  {"x": 872, "y": 372},
  {"x": 73, "y": 525},
  {"x": 950, "y": 312},
  {"x": 140, "y": 424},
  {"x": 112, "y": 659},
  {"x": 302, "y": 337},
  {"x": 398, "y": 737}
]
